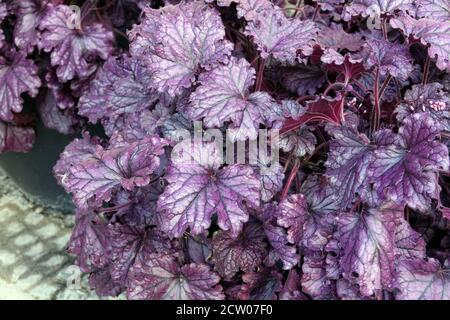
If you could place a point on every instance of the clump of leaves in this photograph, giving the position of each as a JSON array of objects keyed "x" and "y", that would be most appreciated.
[{"x": 354, "y": 208}]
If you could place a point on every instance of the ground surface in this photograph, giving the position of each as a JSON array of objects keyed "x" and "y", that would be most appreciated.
[{"x": 33, "y": 261}]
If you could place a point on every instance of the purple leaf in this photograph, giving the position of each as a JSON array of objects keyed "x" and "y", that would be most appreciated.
[
  {"x": 390, "y": 58},
  {"x": 348, "y": 164},
  {"x": 29, "y": 15},
  {"x": 309, "y": 220},
  {"x": 263, "y": 285},
  {"x": 322, "y": 209},
  {"x": 368, "y": 247},
  {"x": 280, "y": 37},
  {"x": 291, "y": 214},
  {"x": 176, "y": 41},
  {"x": 75, "y": 152},
  {"x": 245, "y": 252},
  {"x": 291, "y": 288},
  {"x": 281, "y": 249},
  {"x": 90, "y": 242},
  {"x": 271, "y": 175},
  {"x": 136, "y": 126},
  {"x": 129, "y": 244},
  {"x": 314, "y": 280},
  {"x": 122, "y": 86},
  {"x": 72, "y": 46},
  {"x": 63, "y": 121},
  {"x": 367, "y": 81},
  {"x": 250, "y": 9},
  {"x": 199, "y": 249},
  {"x": 433, "y": 34},
  {"x": 367, "y": 7},
  {"x": 63, "y": 93},
  {"x": 93, "y": 180},
  {"x": 346, "y": 290},
  {"x": 335, "y": 37},
  {"x": 198, "y": 189},
  {"x": 301, "y": 79},
  {"x": 103, "y": 284},
  {"x": 409, "y": 243},
  {"x": 422, "y": 280},
  {"x": 160, "y": 277},
  {"x": 138, "y": 207},
  {"x": 176, "y": 127},
  {"x": 17, "y": 76},
  {"x": 300, "y": 142},
  {"x": 224, "y": 96},
  {"x": 429, "y": 98},
  {"x": 405, "y": 171}
]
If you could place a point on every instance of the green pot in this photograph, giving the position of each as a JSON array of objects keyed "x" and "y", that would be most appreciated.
[{"x": 32, "y": 172}]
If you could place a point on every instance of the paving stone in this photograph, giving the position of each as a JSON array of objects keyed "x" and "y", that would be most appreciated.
[{"x": 33, "y": 259}]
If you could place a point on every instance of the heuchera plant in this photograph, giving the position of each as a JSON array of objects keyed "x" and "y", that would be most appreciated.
[{"x": 354, "y": 206}]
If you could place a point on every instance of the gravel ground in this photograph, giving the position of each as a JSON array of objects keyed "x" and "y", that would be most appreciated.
[{"x": 33, "y": 261}]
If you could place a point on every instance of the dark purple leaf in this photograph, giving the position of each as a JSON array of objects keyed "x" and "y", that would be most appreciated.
[
  {"x": 348, "y": 164},
  {"x": 390, "y": 58},
  {"x": 244, "y": 252},
  {"x": 301, "y": 79},
  {"x": 263, "y": 285},
  {"x": 405, "y": 170},
  {"x": 63, "y": 121},
  {"x": 104, "y": 286},
  {"x": 129, "y": 244},
  {"x": 15, "y": 138},
  {"x": 122, "y": 86},
  {"x": 160, "y": 277}
]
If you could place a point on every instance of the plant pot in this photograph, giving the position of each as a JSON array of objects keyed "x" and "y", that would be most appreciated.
[{"x": 32, "y": 172}]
